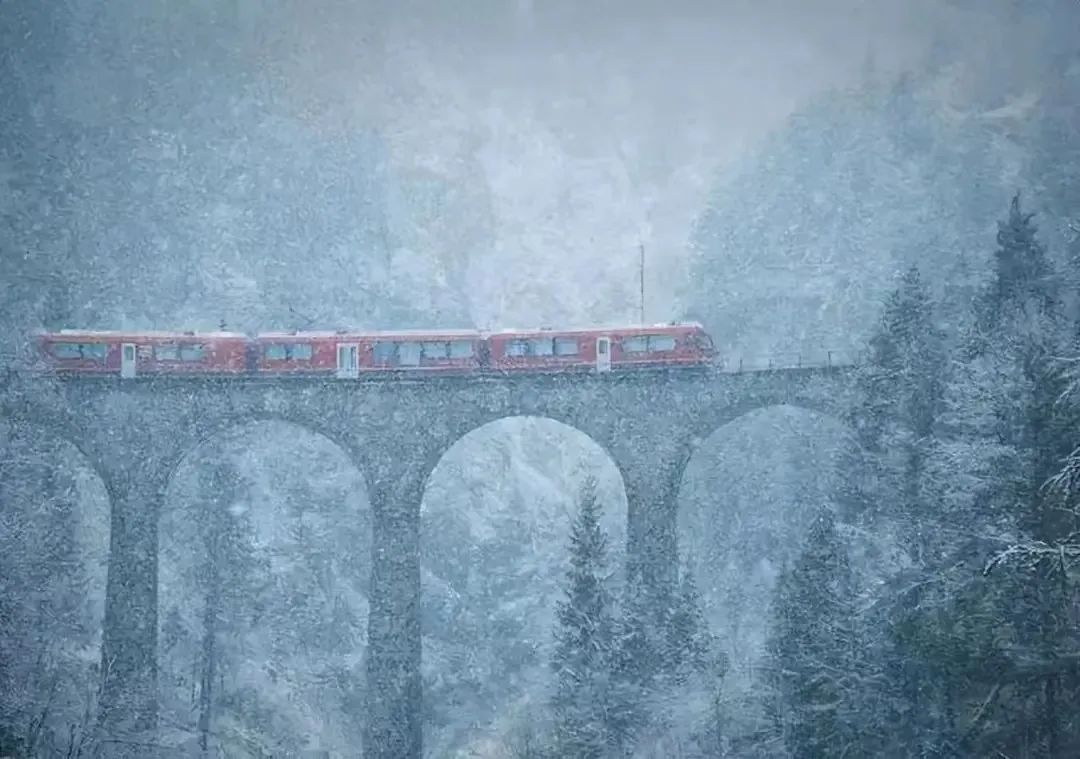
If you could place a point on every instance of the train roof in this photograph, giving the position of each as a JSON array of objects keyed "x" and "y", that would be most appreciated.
[
  {"x": 91, "y": 333},
  {"x": 369, "y": 333},
  {"x": 358, "y": 333},
  {"x": 595, "y": 328}
]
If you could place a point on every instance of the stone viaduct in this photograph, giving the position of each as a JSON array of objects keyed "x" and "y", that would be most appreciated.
[{"x": 136, "y": 432}]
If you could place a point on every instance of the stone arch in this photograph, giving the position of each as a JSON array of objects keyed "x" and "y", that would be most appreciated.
[
  {"x": 301, "y": 559},
  {"x": 206, "y": 430},
  {"x": 495, "y": 519},
  {"x": 737, "y": 546}
]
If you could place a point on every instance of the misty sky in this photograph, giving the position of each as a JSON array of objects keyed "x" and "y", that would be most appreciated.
[
  {"x": 595, "y": 124},
  {"x": 566, "y": 131}
]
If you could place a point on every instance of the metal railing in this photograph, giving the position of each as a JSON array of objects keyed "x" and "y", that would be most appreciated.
[
  {"x": 733, "y": 364},
  {"x": 825, "y": 359}
]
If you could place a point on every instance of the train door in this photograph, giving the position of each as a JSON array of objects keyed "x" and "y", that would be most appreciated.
[
  {"x": 251, "y": 358},
  {"x": 127, "y": 361},
  {"x": 348, "y": 361},
  {"x": 603, "y": 354}
]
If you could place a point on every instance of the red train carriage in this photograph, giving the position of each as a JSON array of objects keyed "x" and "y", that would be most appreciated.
[
  {"x": 350, "y": 354},
  {"x": 600, "y": 350},
  {"x": 130, "y": 354},
  {"x": 671, "y": 345}
]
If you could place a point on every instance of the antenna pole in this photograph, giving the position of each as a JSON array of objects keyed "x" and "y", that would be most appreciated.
[{"x": 641, "y": 278}]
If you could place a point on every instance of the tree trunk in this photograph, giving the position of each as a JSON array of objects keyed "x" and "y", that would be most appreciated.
[{"x": 1051, "y": 717}]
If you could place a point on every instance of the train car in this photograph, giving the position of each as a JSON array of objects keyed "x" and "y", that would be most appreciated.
[
  {"x": 352, "y": 354},
  {"x": 348, "y": 354},
  {"x": 662, "y": 346},
  {"x": 600, "y": 349},
  {"x": 545, "y": 350},
  {"x": 131, "y": 354}
]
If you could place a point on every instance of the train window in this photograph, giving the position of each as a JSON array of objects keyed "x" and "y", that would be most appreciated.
[
  {"x": 661, "y": 343},
  {"x": 166, "y": 353},
  {"x": 541, "y": 347},
  {"x": 461, "y": 349},
  {"x": 409, "y": 354},
  {"x": 286, "y": 352},
  {"x": 434, "y": 350},
  {"x": 87, "y": 351},
  {"x": 67, "y": 350},
  {"x": 517, "y": 348},
  {"x": 385, "y": 353},
  {"x": 635, "y": 344},
  {"x": 566, "y": 346},
  {"x": 300, "y": 352},
  {"x": 192, "y": 352}
]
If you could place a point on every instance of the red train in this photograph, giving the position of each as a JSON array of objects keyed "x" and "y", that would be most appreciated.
[{"x": 347, "y": 354}]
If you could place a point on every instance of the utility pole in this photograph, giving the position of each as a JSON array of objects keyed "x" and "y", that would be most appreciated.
[{"x": 641, "y": 277}]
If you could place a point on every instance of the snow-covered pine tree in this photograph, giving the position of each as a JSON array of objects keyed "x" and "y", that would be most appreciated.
[
  {"x": 815, "y": 662},
  {"x": 899, "y": 396},
  {"x": 46, "y": 683},
  {"x": 689, "y": 644},
  {"x": 639, "y": 646},
  {"x": 900, "y": 388},
  {"x": 1002, "y": 435},
  {"x": 1022, "y": 332},
  {"x": 1024, "y": 286},
  {"x": 226, "y": 581},
  {"x": 585, "y": 642}
]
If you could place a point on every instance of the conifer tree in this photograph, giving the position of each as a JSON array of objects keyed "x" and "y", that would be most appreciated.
[
  {"x": 900, "y": 397},
  {"x": 226, "y": 580},
  {"x": 1023, "y": 287},
  {"x": 813, "y": 648},
  {"x": 1002, "y": 435},
  {"x": 1021, "y": 331},
  {"x": 585, "y": 638},
  {"x": 688, "y": 642},
  {"x": 639, "y": 646},
  {"x": 900, "y": 388}
]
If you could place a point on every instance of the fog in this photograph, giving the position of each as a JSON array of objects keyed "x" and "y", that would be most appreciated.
[
  {"x": 592, "y": 128},
  {"x": 835, "y": 516}
]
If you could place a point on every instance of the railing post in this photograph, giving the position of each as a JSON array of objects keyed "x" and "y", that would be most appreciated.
[
  {"x": 829, "y": 359},
  {"x": 740, "y": 364}
]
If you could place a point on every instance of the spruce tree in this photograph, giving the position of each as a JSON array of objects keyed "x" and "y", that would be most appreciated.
[
  {"x": 226, "y": 579},
  {"x": 1023, "y": 287},
  {"x": 1022, "y": 332},
  {"x": 689, "y": 646},
  {"x": 585, "y": 637},
  {"x": 1002, "y": 435},
  {"x": 899, "y": 399},
  {"x": 639, "y": 645},
  {"x": 900, "y": 388},
  {"x": 45, "y": 612},
  {"x": 813, "y": 649}
]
